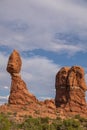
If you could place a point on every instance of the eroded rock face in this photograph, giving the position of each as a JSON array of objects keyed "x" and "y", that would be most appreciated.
[
  {"x": 76, "y": 78},
  {"x": 70, "y": 89},
  {"x": 62, "y": 91},
  {"x": 14, "y": 63},
  {"x": 19, "y": 93}
]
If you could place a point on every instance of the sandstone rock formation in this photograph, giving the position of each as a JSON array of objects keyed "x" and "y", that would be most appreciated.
[
  {"x": 62, "y": 92},
  {"x": 19, "y": 93},
  {"x": 70, "y": 89}
]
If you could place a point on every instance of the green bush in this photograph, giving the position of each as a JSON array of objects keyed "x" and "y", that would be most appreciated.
[
  {"x": 29, "y": 123},
  {"x": 35, "y": 124},
  {"x": 72, "y": 124},
  {"x": 44, "y": 120},
  {"x": 4, "y": 122}
]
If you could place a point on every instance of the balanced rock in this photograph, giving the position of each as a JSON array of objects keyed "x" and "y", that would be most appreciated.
[
  {"x": 14, "y": 63},
  {"x": 70, "y": 89},
  {"x": 19, "y": 93}
]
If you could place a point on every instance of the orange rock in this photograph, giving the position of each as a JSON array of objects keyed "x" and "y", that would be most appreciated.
[
  {"x": 19, "y": 93},
  {"x": 76, "y": 78},
  {"x": 77, "y": 86},
  {"x": 62, "y": 92},
  {"x": 50, "y": 103},
  {"x": 14, "y": 63},
  {"x": 70, "y": 93},
  {"x": 70, "y": 89}
]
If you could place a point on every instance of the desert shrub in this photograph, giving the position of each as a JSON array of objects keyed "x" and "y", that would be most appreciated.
[
  {"x": 31, "y": 124},
  {"x": 71, "y": 124},
  {"x": 4, "y": 122},
  {"x": 45, "y": 127},
  {"x": 35, "y": 124},
  {"x": 15, "y": 126},
  {"x": 77, "y": 117},
  {"x": 44, "y": 120},
  {"x": 82, "y": 120}
]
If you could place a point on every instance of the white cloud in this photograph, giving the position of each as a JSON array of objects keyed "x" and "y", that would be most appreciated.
[
  {"x": 6, "y": 87},
  {"x": 4, "y": 76},
  {"x": 44, "y": 98},
  {"x": 39, "y": 74},
  {"x": 29, "y": 24},
  {"x": 4, "y": 97}
]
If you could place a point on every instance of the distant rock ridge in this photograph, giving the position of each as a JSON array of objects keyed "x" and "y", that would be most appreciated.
[
  {"x": 19, "y": 93},
  {"x": 70, "y": 89}
]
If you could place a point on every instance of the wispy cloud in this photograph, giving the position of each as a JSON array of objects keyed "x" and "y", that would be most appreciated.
[
  {"x": 3, "y": 97},
  {"x": 40, "y": 75},
  {"x": 30, "y": 25}
]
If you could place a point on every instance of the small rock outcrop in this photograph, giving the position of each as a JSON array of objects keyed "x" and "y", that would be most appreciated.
[
  {"x": 70, "y": 89},
  {"x": 19, "y": 93}
]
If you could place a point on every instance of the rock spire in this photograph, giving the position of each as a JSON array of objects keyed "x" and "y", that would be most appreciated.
[
  {"x": 70, "y": 89},
  {"x": 19, "y": 93}
]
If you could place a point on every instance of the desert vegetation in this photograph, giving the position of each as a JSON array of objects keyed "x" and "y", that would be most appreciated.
[{"x": 30, "y": 123}]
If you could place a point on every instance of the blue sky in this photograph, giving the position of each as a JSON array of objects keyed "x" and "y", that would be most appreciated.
[{"x": 48, "y": 34}]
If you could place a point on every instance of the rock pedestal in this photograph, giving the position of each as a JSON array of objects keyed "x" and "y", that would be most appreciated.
[
  {"x": 70, "y": 89},
  {"x": 19, "y": 94}
]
